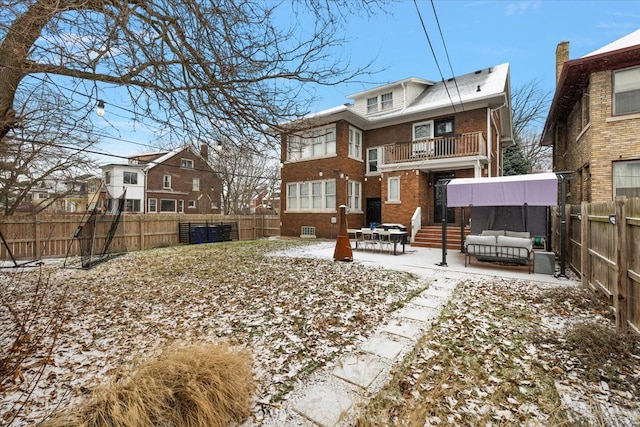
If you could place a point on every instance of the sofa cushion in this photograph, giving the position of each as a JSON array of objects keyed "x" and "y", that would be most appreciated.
[
  {"x": 523, "y": 234},
  {"x": 488, "y": 245},
  {"x": 514, "y": 247},
  {"x": 492, "y": 233}
]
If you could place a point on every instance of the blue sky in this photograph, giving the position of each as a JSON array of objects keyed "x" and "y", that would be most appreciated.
[{"x": 477, "y": 34}]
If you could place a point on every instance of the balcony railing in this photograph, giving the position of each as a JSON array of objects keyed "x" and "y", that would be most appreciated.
[{"x": 445, "y": 147}]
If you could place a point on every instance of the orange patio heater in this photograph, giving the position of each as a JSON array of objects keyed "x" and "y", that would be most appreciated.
[{"x": 343, "y": 245}]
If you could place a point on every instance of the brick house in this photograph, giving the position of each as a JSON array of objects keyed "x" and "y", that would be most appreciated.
[
  {"x": 383, "y": 154},
  {"x": 177, "y": 181},
  {"x": 594, "y": 121}
]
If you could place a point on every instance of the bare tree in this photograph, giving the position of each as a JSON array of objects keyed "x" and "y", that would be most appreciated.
[
  {"x": 529, "y": 104},
  {"x": 244, "y": 174},
  {"x": 196, "y": 69}
]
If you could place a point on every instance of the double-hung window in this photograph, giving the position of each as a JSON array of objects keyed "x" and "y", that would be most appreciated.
[
  {"x": 626, "y": 87},
  {"x": 373, "y": 156},
  {"x": 319, "y": 142},
  {"x": 195, "y": 184},
  {"x": 626, "y": 178},
  {"x": 386, "y": 101},
  {"x": 372, "y": 105},
  {"x": 166, "y": 182},
  {"x": 153, "y": 205},
  {"x": 354, "y": 196},
  {"x": 421, "y": 132},
  {"x": 355, "y": 143},
  {"x": 311, "y": 196}
]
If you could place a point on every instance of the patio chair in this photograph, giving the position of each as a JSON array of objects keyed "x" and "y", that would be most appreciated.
[{"x": 384, "y": 240}]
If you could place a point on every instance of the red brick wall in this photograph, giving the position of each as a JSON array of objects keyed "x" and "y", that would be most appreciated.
[{"x": 182, "y": 184}]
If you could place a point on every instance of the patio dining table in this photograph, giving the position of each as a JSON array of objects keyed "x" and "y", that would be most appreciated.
[{"x": 395, "y": 237}]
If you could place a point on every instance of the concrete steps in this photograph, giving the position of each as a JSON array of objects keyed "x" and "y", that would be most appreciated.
[{"x": 430, "y": 236}]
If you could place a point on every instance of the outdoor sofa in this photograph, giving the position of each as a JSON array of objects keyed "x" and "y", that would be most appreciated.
[{"x": 513, "y": 247}]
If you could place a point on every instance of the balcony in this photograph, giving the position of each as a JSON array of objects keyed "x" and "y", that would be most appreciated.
[{"x": 454, "y": 147}]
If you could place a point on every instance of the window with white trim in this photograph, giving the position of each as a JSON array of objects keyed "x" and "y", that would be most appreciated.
[
  {"x": 317, "y": 143},
  {"x": 153, "y": 205},
  {"x": 626, "y": 91},
  {"x": 107, "y": 177},
  {"x": 181, "y": 206},
  {"x": 133, "y": 205},
  {"x": 191, "y": 204},
  {"x": 386, "y": 101},
  {"x": 626, "y": 178},
  {"x": 311, "y": 196},
  {"x": 195, "y": 185},
  {"x": 374, "y": 156},
  {"x": 167, "y": 205},
  {"x": 186, "y": 163},
  {"x": 166, "y": 181},
  {"x": 354, "y": 196},
  {"x": 372, "y": 105},
  {"x": 393, "y": 189},
  {"x": 421, "y": 132},
  {"x": 129, "y": 178},
  {"x": 355, "y": 143}
]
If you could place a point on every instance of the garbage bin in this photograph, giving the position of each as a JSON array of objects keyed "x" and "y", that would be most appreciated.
[{"x": 198, "y": 235}]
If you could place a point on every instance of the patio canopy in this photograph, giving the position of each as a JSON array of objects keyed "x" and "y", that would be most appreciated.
[{"x": 540, "y": 189}]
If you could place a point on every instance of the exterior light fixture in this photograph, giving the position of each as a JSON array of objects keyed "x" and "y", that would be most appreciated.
[
  {"x": 100, "y": 109},
  {"x": 320, "y": 173},
  {"x": 612, "y": 219},
  {"x": 579, "y": 216}
]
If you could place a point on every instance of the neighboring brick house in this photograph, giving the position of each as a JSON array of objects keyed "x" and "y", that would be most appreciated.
[
  {"x": 594, "y": 121},
  {"x": 383, "y": 155},
  {"x": 178, "y": 181}
]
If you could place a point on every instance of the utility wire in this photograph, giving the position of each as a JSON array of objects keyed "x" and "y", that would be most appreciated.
[
  {"x": 435, "y": 14},
  {"x": 424, "y": 28}
]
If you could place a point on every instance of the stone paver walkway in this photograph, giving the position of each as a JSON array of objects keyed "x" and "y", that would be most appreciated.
[{"x": 330, "y": 398}]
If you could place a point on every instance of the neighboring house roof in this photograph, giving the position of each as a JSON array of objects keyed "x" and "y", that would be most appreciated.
[
  {"x": 150, "y": 160},
  {"x": 574, "y": 77},
  {"x": 486, "y": 87}
]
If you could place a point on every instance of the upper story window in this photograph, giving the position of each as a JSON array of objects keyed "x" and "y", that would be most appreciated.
[
  {"x": 186, "y": 163},
  {"x": 355, "y": 143},
  {"x": 373, "y": 154},
  {"x": 626, "y": 178},
  {"x": 626, "y": 88},
  {"x": 93, "y": 187},
  {"x": 443, "y": 127},
  {"x": 195, "y": 186},
  {"x": 316, "y": 143},
  {"x": 423, "y": 130},
  {"x": 372, "y": 105},
  {"x": 311, "y": 196},
  {"x": 107, "y": 177},
  {"x": 386, "y": 101},
  {"x": 130, "y": 178},
  {"x": 166, "y": 181},
  {"x": 133, "y": 161}
]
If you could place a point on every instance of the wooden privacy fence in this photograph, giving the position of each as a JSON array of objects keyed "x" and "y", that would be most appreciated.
[
  {"x": 50, "y": 236},
  {"x": 603, "y": 246}
]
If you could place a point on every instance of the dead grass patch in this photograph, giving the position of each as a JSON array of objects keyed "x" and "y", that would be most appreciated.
[{"x": 208, "y": 385}]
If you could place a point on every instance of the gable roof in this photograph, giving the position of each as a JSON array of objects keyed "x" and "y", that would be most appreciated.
[
  {"x": 574, "y": 78},
  {"x": 489, "y": 87}
]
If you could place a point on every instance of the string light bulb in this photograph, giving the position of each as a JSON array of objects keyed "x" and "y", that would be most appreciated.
[{"x": 100, "y": 109}]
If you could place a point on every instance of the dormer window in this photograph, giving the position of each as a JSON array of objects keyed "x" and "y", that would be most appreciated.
[
  {"x": 372, "y": 105},
  {"x": 186, "y": 163},
  {"x": 386, "y": 101}
]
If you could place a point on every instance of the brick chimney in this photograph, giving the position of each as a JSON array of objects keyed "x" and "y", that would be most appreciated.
[
  {"x": 204, "y": 151},
  {"x": 562, "y": 56}
]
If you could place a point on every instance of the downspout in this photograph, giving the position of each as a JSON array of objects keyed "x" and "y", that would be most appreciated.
[
  {"x": 404, "y": 97},
  {"x": 499, "y": 150}
]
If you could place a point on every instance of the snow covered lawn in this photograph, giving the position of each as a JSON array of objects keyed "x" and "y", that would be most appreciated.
[{"x": 294, "y": 314}]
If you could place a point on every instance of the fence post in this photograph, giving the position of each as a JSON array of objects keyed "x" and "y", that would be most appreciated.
[
  {"x": 620, "y": 297},
  {"x": 38, "y": 242},
  {"x": 141, "y": 217},
  {"x": 585, "y": 262}
]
